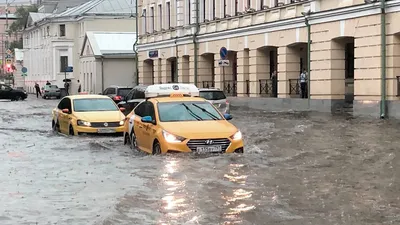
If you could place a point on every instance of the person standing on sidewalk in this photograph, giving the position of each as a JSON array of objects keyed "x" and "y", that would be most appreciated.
[
  {"x": 37, "y": 88},
  {"x": 66, "y": 86},
  {"x": 303, "y": 84},
  {"x": 79, "y": 87}
]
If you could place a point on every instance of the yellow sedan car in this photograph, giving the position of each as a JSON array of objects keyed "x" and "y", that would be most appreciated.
[
  {"x": 87, "y": 114},
  {"x": 174, "y": 119}
]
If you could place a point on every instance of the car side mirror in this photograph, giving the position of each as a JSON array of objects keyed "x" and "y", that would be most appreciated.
[
  {"x": 147, "y": 119},
  {"x": 228, "y": 116},
  {"x": 122, "y": 109},
  {"x": 65, "y": 110}
]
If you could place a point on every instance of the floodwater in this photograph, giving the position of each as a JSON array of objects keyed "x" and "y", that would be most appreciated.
[{"x": 298, "y": 169}]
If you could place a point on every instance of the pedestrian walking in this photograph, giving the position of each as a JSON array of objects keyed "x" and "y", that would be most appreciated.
[
  {"x": 79, "y": 87},
  {"x": 48, "y": 83},
  {"x": 303, "y": 84},
  {"x": 38, "y": 92},
  {"x": 66, "y": 86},
  {"x": 274, "y": 78}
]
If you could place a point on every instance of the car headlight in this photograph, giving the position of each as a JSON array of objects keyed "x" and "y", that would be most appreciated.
[
  {"x": 121, "y": 122},
  {"x": 84, "y": 123},
  {"x": 237, "y": 135},
  {"x": 170, "y": 138}
]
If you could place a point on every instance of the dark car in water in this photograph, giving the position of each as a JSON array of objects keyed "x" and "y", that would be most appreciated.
[
  {"x": 7, "y": 92},
  {"x": 133, "y": 98},
  {"x": 117, "y": 93}
]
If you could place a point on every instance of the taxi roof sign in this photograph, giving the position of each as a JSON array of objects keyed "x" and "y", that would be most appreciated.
[{"x": 171, "y": 90}]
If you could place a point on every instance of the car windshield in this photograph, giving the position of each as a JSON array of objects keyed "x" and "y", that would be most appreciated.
[
  {"x": 94, "y": 104},
  {"x": 212, "y": 95},
  {"x": 123, "y": 91},
  {"x": 51, "y": 87},
  {"x": 187, "y": 111}
]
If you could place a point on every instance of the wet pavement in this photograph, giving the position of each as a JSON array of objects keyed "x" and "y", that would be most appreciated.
[{"x": 298, "y": 169}]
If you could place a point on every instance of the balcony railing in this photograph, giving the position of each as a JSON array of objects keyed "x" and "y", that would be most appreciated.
[
  {"x": 268, "y": 88},
  {"x": 230, "y": 88},
  {"x": 294, "y": 87}
]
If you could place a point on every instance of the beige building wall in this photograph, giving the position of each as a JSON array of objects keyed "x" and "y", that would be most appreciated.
[{"x": 250, "y": 33}]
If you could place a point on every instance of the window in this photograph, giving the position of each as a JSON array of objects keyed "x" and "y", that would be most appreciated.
[
  {"x": 123, "y": 91},
  {"x": 169, "y": 15},
  {"x": 213, "y": 10},
  {"x": 160, "y": 17},
  {"x": 204, "y": 10},
  {"x": 236, "y": 7},
  {"x": 62, "y": 30},
  {"x": 63, "y": 63},
  {"x": 224, "y": 8},
  {"x": 144, "y": 21},
  {"x": 96, "y": 104},
  {"x": 187, "y": 111},
  {"x": 189, "y": 11},
  {"x": 129, "y": 96},
  {"x": 151, "y": 19},
  {"x": 140, "y": 109},
  {"x": 110, "y": 91},
  {"x": 139, "y": 94},
  {"x": 65, "y": 104},
  {"x": 48, "y": 30}
]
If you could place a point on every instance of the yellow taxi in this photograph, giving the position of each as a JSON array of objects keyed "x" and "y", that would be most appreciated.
[
  {"x": 77, "y": 114},
  {"x": 173, "y": 118}
]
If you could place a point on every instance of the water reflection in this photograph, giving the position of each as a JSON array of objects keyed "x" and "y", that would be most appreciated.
[
  {"x": 238, "y": 201},
  {"x": 175, "y": 202}
]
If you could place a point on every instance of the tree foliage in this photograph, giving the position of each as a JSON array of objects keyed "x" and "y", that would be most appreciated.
[{"x": 22, "y": 14}]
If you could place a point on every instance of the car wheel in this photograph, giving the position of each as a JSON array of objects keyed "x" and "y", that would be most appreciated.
[
  {"x": 133, "y": 141},
  {"x": 71, "y": 130},
  {"x": 18, "y": 98},
  {"x": 55, "y": 126},
  {"x": 126, "y": 138},
  {"x": 156, "y": 148}
]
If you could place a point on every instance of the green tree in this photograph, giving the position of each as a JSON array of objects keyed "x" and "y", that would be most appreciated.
[{"x": 22, "y": 14}]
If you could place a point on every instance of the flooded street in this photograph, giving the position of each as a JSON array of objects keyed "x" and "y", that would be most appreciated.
[{"x": 297, "y": 169}]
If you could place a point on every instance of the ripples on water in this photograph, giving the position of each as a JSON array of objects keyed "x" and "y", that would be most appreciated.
[{"x": 299, "y": 168}]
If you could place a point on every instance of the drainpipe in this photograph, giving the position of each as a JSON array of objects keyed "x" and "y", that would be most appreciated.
[
  {"x": 176, "y": 64},
  {"x": 135, "y": 45},
  {"x": 308, "y": 58},
  {"x": 383, "y": 60},
  {"x": 102, "y": 73},
  {"x": 195, "y": 42}
]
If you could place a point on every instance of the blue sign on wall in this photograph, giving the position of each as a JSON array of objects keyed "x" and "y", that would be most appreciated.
[
  {"x": 69, "y": 69},
  {"x": 24, "y": 70},
  {"x": 223, "y": 52},
  {"x": 153, "y": 54}
]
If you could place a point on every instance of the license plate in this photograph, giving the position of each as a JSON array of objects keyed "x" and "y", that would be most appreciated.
[
  {"x": 205, "y": 149},
  {"x": 106, "y": 131}
]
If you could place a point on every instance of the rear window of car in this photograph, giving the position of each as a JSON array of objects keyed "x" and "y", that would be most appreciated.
[
  {"x": 51, "y": 87},
  {"x": 123, "y": 91},
  {"x": 212, "y": 95}
]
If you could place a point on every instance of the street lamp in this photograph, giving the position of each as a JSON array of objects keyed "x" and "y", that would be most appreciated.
[{"x": 306, "y": 18}]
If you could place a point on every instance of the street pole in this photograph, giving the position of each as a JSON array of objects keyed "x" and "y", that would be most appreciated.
[
  {"x": 136, "y": 43},
  {"x": 6, "y": 44},
  {"x": 308, "y": 58},
  {"x": 383, "y": 61}
]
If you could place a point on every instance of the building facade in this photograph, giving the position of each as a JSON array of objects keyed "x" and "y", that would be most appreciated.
[
  {"x": 107, "y": 58},
  {"x": 347, "y": 63},
  {"x": 53, "y": 41}
]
